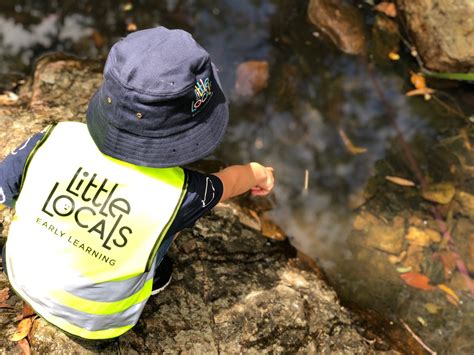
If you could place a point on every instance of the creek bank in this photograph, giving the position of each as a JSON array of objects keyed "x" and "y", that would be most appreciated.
[{"x": 233, "y": 290}]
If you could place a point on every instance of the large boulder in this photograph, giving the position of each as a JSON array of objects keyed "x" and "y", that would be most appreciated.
[
  {"x": 443, "y": 31},
  {"x": 233, "y": 290}
]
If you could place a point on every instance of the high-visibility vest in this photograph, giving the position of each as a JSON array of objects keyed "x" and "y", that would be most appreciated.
[{"x": 81, "y": 247}]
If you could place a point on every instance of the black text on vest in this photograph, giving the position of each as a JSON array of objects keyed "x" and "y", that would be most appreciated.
[{"x": 88, "y": 198}]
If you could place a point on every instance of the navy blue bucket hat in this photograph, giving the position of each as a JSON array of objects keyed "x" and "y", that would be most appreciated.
[{"x": 161, "y": 103}]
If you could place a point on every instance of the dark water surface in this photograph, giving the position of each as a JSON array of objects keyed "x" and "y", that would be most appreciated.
[{"x": 314, "y": 91}]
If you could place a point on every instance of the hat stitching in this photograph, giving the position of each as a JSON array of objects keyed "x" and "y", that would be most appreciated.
[{"x": 141, "y": 91}]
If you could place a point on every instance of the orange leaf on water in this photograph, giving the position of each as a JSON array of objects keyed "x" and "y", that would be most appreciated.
[{"x": 417, "y": 280}]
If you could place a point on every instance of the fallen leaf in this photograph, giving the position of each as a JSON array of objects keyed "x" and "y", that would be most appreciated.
[
  {"x": 400, "y": 181},
  {"x": 131, "y": 27},
  {"x": 24, "y": 346},
  {"x": 422, "y": 91},
  {"x": 351, "y": 148},
  {"x": 394, "y": 56},
  {"x": 98, "y": 39},
  {"x": 418, "y": 80},
  {"x": 448, "y": 259},
  {"x": 387, "y": 8},
  {"x": 8, "y": 98},
  {"x": 22, "y": 329},
  {"x": 432, "y": 308},
  {"x": 450, "y": 293},
  {"x": 27, "y": 311},
  {"x": 395, "y": 259},
  {"x": 422, "y": 236},
  {"x": 441, "y": 193},
  {"x": 421, "y": 321},
  {"x": 417, "y": 280},
  {"x": 4, "y": 294},
  {"x": 403, "y": 269},
  {"x": 271, "y": 230},
  {"x": 127, "y": 7}
]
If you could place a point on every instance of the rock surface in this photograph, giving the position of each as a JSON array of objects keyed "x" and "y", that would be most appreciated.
[
  {"x": 443, "y": 31},
  {"x": 233, "y": 290},
  {"x": 341, "y": 21}
]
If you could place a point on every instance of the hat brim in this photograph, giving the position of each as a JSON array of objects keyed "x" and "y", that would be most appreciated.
[{"x": 160, "y": 152}]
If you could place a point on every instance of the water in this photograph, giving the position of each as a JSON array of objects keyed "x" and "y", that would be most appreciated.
[{"x": 293, "y": 125}]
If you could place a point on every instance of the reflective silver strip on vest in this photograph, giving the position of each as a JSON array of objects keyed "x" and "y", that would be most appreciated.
[
  {"x": 92, "y": 322},
  {"x": 111, "y": 291}
]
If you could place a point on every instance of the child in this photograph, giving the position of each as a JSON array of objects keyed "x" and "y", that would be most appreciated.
[{"x": 97, "y": 205}]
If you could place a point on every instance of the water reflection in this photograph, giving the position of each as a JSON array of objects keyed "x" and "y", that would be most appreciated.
[{"x": 313, "y": 92}]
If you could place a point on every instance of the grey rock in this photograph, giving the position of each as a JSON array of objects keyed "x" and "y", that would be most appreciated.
[{"x": 443, "y": 31}]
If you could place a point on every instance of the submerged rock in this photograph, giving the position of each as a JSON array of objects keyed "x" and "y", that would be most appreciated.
[
  {"x": 251, "y": 78},
  {"x": 233, "y": 291},
  {"x": 341, "y": 21},
  {"x": 443, "y": 31}
]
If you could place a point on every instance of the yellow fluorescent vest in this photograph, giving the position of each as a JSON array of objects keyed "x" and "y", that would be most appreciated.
[{"x": 87, "y": 227}]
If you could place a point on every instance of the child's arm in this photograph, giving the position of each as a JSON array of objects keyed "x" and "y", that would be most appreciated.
[{"x": 238, "y": 179}]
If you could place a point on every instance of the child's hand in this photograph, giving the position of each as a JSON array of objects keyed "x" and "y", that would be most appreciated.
[
  {"x": 265, "y": 180},
  {"x": 238, "y": 179}
]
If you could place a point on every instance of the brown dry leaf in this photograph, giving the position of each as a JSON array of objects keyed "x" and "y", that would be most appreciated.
[
  {"x": 27, "y": 311},
  {"x": 450, "y": 293},
  {"x": 271, "y": 230},
  {"x": 24, "y": 346},
  {"x": 351, "y": 148},
  {"x": 417, "y": 280},
  {"x": 441, "y": 193},
  {"x": 22, "y": 329},
  {"x": 449, "y": 261},
  {"x": 387, "y": 8},
  {"x": 400, "y": 181},
  {"x": 4, "y": 295},
  {"x": 98, "y": 39}
]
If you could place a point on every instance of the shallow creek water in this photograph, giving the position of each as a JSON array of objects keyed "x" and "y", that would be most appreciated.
[{"x": 313, "y": 92}]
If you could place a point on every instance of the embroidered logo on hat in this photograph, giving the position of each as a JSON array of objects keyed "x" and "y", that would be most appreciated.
[{"x": 203, "y": 93}]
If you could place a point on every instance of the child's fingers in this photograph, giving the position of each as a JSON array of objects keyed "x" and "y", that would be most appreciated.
[{"x": 258, "y": 191}]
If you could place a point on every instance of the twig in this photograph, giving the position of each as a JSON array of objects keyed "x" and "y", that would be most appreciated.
[{"x": 418, "y": 339}]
